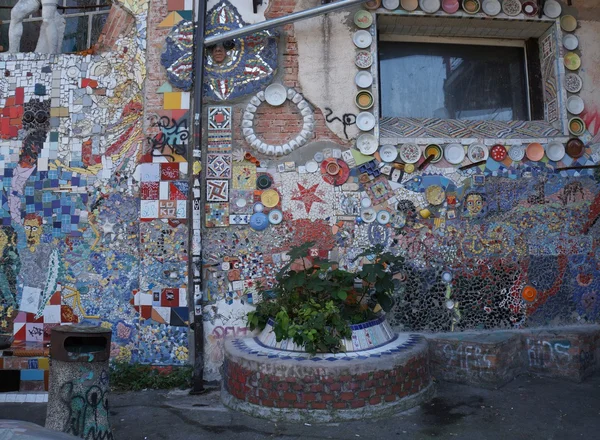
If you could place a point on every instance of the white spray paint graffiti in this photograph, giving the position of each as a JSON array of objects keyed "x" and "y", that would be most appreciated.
[
  {"x": 548, "y": 354},
  {"x": 467, "y": 356}
]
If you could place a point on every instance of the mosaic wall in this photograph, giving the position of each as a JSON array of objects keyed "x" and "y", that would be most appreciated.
[
  {"x": 507, "y": 241},
  {"x": 94, "y": 192}
]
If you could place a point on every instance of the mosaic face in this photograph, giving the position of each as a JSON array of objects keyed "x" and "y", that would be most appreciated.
[
  {"x": 33, "y": 231},
  {"x": 474, "y": 203}
]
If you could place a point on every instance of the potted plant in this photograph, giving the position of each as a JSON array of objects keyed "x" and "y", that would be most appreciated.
[{"x": 314, "y": 302}]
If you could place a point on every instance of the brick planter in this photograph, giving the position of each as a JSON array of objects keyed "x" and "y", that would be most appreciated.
[{"x": 282, "y": 385}]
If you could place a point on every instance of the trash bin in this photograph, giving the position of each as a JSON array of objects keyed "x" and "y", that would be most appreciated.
[{"x": 79, "y": 385}]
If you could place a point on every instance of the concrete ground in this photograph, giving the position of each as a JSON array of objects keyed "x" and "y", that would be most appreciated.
[{"x": 527, "y": 408}]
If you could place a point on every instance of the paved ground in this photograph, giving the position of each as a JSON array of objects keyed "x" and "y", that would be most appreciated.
[{"x": 527, "y": 408}]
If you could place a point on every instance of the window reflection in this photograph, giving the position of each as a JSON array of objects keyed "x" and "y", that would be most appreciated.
[{"x": 453, "y": 81}]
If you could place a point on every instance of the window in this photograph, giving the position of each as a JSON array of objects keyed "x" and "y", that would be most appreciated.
[
  {"x": 84, "y": 22},
  {"x": 454, "y": 81}
]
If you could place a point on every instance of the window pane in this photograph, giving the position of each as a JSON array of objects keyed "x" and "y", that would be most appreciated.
[
  {"x": 31, "y": 32},
  {"x": 98, "y": 22},
  {"x": 453, "y": 81},
  {"x": 75, "y": 34},
  {"x": 79, "y": 3}
]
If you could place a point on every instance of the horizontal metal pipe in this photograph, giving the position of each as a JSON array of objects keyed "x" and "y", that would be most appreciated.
[{"x": 280, "y": 21}]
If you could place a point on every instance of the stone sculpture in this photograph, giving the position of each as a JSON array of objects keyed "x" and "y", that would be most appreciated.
[{"x": 51, "y": 32}]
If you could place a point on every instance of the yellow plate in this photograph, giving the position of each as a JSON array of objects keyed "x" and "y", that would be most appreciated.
[
  {"x": 269, "y": 198},
  {"x": 572, "y": 61},
  {"x": 435, "y": 195},
  {"x": 568, "y": 23}
]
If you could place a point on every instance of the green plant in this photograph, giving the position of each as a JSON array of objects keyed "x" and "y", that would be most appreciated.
[
  {"x": 314, "y": 302},
  {"x": 135, "y": 377}
]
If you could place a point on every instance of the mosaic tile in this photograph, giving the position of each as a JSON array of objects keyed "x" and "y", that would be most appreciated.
[
  {"x": 218, "y": 166},
  {"x": 217, "y": 190}
]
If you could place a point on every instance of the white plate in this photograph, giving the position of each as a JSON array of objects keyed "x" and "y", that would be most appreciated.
[
  {"x": 478, "y": 152},
  {"x": 388, "y": 153},
  {"x": 552, "y": 9},
  {"x": 368, "y": 215},
  {"x": 275, "y": 216},
  {"x": 410, "y": 153},
  {"x": 383, "y": 217},
  {"x": 491, "y": 7},
  {"x": 367, "y": 144},
  {"x": 570, "y": 42},
  {"x": 311, "y": 166},
  {"x": 430, "y": 6},
  {"x": 365, "y": 121},
  {"x": 573, "y": 83},
  {"x": 391, "y": 4},
  {"x": 276, "y": 94},
  {"x": 363, "y": 79},
  {"x": 575, "y": 105},
  {"x": 362, "y": 39},
  {"x": 555, "y": 151},
  {"x": 516, "y": 153},
  {"x": 454, "y": 153}
]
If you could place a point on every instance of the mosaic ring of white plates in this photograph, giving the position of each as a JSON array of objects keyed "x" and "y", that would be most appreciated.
[{"x": 298, "y": 141}]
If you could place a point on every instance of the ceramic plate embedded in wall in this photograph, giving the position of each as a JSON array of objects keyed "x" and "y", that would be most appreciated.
[
  {"x": 365, "y": 121},
  {"x": 275, "y": 216},
  {"x": 388, "y": 153},
  {"x": 435, "y": 150},
  {"x": 568, "y": 23},
  {"x": 530, "y": 8},
  {"x": 573, "y": 83},
  {"x": 276, "y": 94},
  {"x": 363, "y": 79},
  {"x": 450, "y": 6},
  {"x": 454, "y": 153},
  {"x": 383, "y": 217},
  {"x": 555, "y": 151},
  {"x": 368, "y": 215},
  {"x": 511, "y": 7},
  {"x": 367, "y": 144},
  {"x": 575, "y": 148},
  {"x": 410, "y": 153},
  {"x": 409, "y": 5},
  {"x": 516, "y": 153},
  {"x": 363, "y": 19},
  {"x": 362, "y": 39},
  {"x": 311, "y": 166},
  {"x": 575, "y": 105},
  {"x": 477, "y": 152},
  {"x": 498, "y": 153},
  {"x": 373, "y": 4},
  {"x": 570, "y": 42},
  {"x": 430, "y": 6},
  {"x": 364, "y": 100},
  {"x": 491, "y": 7},
  {"x": 576, "y": 126},
  {"x": 471, "y": 6},
  {"x": 363, "y": 59},
  {"x": 435, "y": 195},
  {"x": 572, "y": 61},
  {"x": 391, "y": 4},
  {"x": 552, "y": 9},
  {"x": 535, "y": 151}
]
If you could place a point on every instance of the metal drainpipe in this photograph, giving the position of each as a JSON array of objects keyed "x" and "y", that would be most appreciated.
[
  {"x": 195, "y": 206},
  {"x": 280, "y": 21},
  {"x": 195, "y": 202}
]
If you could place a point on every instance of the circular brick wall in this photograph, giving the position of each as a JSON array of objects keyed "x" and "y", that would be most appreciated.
[{"x": 272, "y": 384}]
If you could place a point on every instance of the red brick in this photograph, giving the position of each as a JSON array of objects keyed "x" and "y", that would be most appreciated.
[
  {"x": 390, "y": 397},
  {"x": 327, "y": 397},
  {"x": 339, "y": 405},
  {"x": 316, "y": 388},
  {"x": 292, "y": 397},
  {"x": 365, "y": 394},
  {"x": 282, "y": 386},
  {"x": 267, "y": 402},
  {"x": 309, "y": 397},
  {"x": 381, "y": 391},
  {"x": 318, "y": 405},
  {"x": 375, "y": 400},
  {"x": 300, "y": 405},
  {"x": 357, "y": 403},
  {"x": 347, "y": 396},
  {"x": 345, "y": 378},
  {"x": 335, "y": 386}
]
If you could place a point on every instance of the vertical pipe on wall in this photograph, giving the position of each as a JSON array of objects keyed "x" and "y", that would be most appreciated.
[{"x": 195, "y": 203}]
